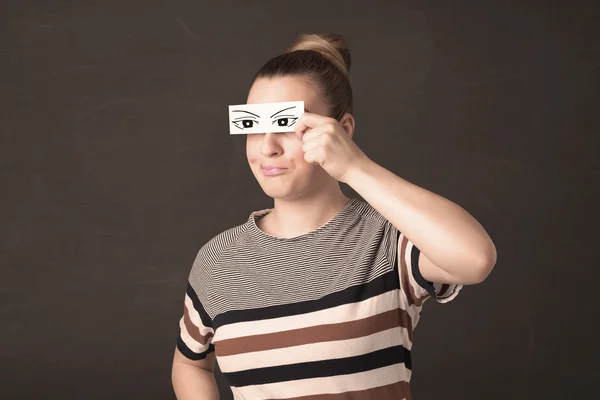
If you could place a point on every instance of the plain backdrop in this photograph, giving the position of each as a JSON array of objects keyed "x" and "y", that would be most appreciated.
[{"x": 117, "y": 166}]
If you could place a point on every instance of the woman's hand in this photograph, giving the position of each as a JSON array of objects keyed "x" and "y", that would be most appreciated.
[{"x": 327, "y": 143}]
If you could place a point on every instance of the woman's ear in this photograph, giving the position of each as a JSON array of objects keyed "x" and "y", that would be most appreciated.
[{"x": 347, "y": 122}]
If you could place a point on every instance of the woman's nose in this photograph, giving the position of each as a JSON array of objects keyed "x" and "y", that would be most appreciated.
[{"x": 270, "y": 142}]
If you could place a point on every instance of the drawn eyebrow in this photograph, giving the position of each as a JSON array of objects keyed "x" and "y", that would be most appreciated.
[
  {"x": 282, "y": 111},
  {"x": 235, "y": 119},
  {"x": 257, "y": 116}
]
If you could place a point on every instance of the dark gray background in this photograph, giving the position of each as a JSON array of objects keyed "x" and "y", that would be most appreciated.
[{"x": 117, "y": 166}]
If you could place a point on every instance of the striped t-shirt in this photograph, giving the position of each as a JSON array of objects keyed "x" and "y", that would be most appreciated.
[{"x": 331, "y": 312}]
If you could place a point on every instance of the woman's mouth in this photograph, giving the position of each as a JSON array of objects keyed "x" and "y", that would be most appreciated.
[{"x": 272, "y": 171}]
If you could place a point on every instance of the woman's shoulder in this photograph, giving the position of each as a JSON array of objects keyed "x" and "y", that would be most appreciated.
[{"x": 221, "y": 241}]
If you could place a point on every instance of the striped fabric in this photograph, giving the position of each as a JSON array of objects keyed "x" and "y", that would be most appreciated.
[{"x": 328, "y": 314}]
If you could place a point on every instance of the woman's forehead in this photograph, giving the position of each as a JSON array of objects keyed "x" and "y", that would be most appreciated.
[{"x": 283, "y": 89}]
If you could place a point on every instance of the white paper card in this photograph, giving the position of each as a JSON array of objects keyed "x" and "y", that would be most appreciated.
[{"x": 264, "y": 117}]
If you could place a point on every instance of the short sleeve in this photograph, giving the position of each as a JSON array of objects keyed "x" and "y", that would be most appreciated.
[
  {"x": 195, "y": 328},
  {"x": 417, "y": 288}
]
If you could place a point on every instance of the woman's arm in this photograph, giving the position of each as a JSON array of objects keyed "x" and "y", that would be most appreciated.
[
  {"x": 194, "y": 380},
  {"x": 454, "y": 247}
]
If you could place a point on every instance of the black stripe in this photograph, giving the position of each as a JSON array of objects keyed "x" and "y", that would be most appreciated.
[
  {"x": 204, "y": 317},
  {"x": 443, "y": 290},
  {"x": 382, "y": 284},
  {"x": 414, "y": 261},
  {"x": 325, "y": 368},
  {"x": 186, "y": 351}
]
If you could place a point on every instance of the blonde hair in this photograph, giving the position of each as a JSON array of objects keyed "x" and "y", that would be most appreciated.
[
  {"x": 325, "y": 58},
  {"x": 329, "y": 45}
]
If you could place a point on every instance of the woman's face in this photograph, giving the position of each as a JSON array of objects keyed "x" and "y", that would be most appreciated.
[{"x": 284, "y": 149}]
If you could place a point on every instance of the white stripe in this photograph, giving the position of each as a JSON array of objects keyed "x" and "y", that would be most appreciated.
[{"x": 327, "y": 385}]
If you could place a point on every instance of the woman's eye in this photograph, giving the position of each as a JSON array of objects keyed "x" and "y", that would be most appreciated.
[{"x": 285, "y": 121}]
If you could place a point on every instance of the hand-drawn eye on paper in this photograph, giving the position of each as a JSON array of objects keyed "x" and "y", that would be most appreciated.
[
  {"x": 261, "y": 118},
  {"x": 285, "y": 119},
  {"x": 247, "y": 120}
]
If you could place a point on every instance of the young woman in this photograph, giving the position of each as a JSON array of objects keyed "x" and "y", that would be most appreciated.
[{"x": 320, "y": 294}]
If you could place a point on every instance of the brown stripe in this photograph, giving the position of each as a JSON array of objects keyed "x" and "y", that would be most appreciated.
[
  {"x": 315, "y": 334},
  {"x": 193, "y": 330},
  {"x": 443, "y": 290},
  {"x": 447, "y": 290},
  {"x": 406, "y": 286},
  {"x": 398, "y": 390},
  {"x": 406, "y": 322}
]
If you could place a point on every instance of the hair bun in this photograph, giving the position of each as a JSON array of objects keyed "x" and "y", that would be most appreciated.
[{"x": 331, "y": 45}]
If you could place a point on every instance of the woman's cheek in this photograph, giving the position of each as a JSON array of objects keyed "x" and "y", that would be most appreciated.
[
  {"x": 299, "y": 152},
  {"x": 253, "y": 151}
]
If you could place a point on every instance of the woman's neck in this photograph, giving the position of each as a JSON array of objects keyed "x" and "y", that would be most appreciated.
[{"x": 301, "y": 216}]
